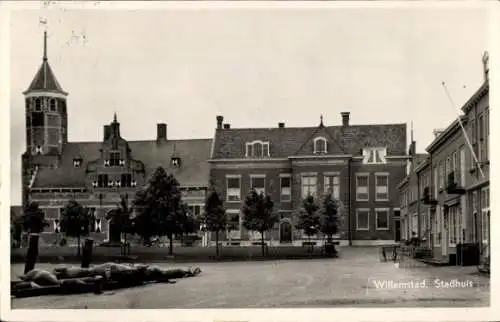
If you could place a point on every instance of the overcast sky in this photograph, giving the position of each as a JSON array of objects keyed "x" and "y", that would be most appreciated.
[{"x": 256, "y": 67}]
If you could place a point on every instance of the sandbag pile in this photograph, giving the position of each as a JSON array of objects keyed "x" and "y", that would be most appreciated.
[{"x": 68, "y": 280}]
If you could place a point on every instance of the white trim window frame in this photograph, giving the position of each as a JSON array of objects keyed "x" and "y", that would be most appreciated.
[
  {"x": 286, "y": 190},
  {"x": 381, "y": 189},
  {"x": 251, "y": 152},
  {"x": 322, "y": 148},
  {"x": 362, "y": 189},
  {"x": 256, "y": 178},
  {"x": 375, "y": 155},
  {"x": 331, "y": 182},
  {"x": 363, "y": 211},
  {"x": 233, "y": 190},
  {"x": 308, "y": 185},
  {"x": 379, "y": 211}
]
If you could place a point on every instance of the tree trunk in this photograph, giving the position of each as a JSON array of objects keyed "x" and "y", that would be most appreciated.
[
  {"x": 171, "y": 245},
  {"x": 310, "y": 245},
  {"x": 32, "y": 253},
  {"x": 78, "y": 246},
  {"x": 262, "y": 245},
  {"x": 87, "y": 253},
  {"x": 217, "y": 244}
]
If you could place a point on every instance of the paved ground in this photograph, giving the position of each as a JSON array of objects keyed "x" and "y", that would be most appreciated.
[{"x": 346, "y": 281}]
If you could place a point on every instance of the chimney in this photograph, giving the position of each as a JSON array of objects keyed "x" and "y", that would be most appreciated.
[
  {"x": 227, "y": 126},
  {"x": 220, "y": 119},
  {"x": 486, "y": 65},
  {"x": 345, "y": 118},
  {"x": 161, "y": 132},
  {"x": 107, "y": 131},
  {"x": 281, "y": 125}
]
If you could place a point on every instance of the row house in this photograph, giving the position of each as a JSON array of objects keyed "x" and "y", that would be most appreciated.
[
  {"x": 450, "y": 189},
  {"x": 97, "y": 173},
  {"x": 359, "y": 164}
]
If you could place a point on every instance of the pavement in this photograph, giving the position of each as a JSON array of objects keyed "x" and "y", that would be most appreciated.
[{"x": 356, "y": 279}]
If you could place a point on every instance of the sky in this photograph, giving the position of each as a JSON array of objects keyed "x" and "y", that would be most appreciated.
[{"x": 256, "y": 67}]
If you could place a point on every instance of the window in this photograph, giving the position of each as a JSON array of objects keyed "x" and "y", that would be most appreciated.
[
  {"x": 176, "y": 162},
  {"x": 233, "y": 184},
  {"x": 332, "y": 185},
  {"x": 37, "y": 119},
  {"x": 362, "y": 219},
  {"x": 77, "y": 163},
  {"x": 126, "y": 180},
  {"x": 441, "y": 175},
  {"x": 38, "y": 105},
  {"x": 362, "y": 193},
  {"x": 320, "y": 145},
  {"x": 381, "y": 187},
  {"x": 114, "y": 159},
  {"x": 485, "y": 215},
  {"x": 102, "y": 180},
  {"x": 308, "y": 186},
  {"x": 286, "y": 188},
  {"x": 257, "y": 149},
  {"x": 454, "y": 165},
  {"x": 382, "y": 219},
  {"x": 436, "y": 178},
  {"x": 397, "y": 212},
  {"x": 195, "y": 210},
  {"x": 258, "y": 183},
  {"x": 374, "y": 155},
  {"x": 52, "y": 105}
]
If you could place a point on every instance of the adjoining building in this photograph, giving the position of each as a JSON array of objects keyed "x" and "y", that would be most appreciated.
[
  {"x": 450, "y": 189},
  {"x": 359, "y": 164},
  {"x": 96, "y": 174}
]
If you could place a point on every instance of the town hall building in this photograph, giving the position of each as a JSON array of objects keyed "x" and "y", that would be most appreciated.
[{"x": 96, "y": 174}]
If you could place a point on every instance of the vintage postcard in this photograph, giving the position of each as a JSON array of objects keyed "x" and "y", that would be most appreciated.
[{"x": 243, "y": 161}]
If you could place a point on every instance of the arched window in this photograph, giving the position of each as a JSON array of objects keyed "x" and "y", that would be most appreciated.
[
  {"x": 38, "y": 104},
  {"x": 52, "y": 105},
  {"x": 320, "y": 145}
]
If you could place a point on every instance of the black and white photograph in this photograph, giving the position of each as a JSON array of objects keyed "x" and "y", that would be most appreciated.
[{"x": 248, "y": 157}]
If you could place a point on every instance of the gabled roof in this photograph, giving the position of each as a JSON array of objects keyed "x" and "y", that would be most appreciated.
[
  {"x": 295, "y": 141},
  {"x": 194, "y": 170}
]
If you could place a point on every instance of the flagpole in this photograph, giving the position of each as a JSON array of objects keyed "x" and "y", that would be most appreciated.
[{"x": 476, "y": 160}]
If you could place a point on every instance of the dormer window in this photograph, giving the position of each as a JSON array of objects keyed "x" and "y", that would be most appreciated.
[
  {"x": 374, "y": 155},
  {"x": 114, "y": 159},
  {"x": 52, "y": 105},
  {"x": 257, "y": 149},
  {"x": 176, "y": 162},
  {"x": 320, "y": 145},
  {"x": 77, "y": 162}
]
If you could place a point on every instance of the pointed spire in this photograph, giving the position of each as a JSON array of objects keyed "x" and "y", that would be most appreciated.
[
  {"x": 114, "y": 118},
  {"x": 45, "y": 46},
  {"x": 321, "y": 120},
  {"x": 411, "y": 132}
]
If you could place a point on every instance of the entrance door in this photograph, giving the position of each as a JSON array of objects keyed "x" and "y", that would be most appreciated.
[
  {"x": 285, "y": 232},
  {"x": 444, "y": 239},
  {"x": 397, "y": 230},
  {"x": 114, "y": 233}
]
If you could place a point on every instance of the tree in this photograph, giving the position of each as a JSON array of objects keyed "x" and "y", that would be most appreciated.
[
  {"x": 309, "y": 219},
  {"x": 258, "y": 214},
  {"x": 329, "y": 217},
  {"x": 75, "y": 221},
  {"x": 188, "y": 223},
  {"x": 121, "y": 217},
  {"x": 33, "y": 219},
  {"x": 158, "y": 206},
  {"x": 214, "y": 217}
]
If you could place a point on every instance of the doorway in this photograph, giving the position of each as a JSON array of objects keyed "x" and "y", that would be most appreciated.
[
  {"x": 114, "y": 232},
  {"x": 285, "y": 232},
  {"x": 397, "y": 230}
]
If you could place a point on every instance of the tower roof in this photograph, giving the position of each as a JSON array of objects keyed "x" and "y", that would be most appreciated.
[{"x": 45, "y": 80}]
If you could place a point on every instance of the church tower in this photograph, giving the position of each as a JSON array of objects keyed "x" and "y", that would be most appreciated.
[{"x": 46, "y": 114}]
